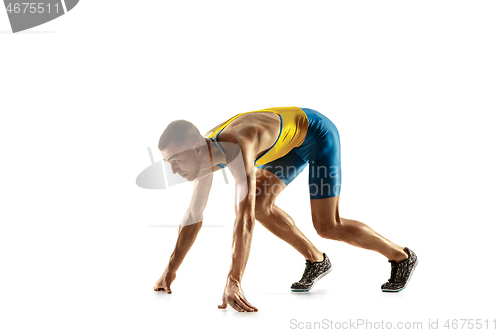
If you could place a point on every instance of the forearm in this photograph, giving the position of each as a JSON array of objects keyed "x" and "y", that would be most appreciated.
[
  {"x": 191, "y": 222},
  {"x": 243, "y": 171},
  {"x": 242, "y": 240},
  {"x": 185, "y": 239}
]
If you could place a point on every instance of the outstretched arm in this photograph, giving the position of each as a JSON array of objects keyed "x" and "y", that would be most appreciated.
[
  {"x": 243, "y": 171},
  {"x": 188, "y": 230}
]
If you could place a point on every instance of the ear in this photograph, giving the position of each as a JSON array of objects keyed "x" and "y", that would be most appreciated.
[{"x": 197, "y": 147}]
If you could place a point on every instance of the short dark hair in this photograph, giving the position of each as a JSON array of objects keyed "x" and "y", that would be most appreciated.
[{"x": 180, "y": 132}]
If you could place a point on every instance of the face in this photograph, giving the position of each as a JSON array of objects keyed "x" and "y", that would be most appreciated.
[{"x": 186, "y": 162}]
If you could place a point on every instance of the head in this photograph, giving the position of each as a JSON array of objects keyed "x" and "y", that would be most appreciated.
[{"x": 182, "y": 145}]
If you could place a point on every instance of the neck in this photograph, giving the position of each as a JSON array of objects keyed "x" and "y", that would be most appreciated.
[{"x": 215, "y": 153}]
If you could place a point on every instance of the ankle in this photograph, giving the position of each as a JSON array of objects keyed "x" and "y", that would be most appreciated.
[
  {"x": 319, "y": 258},
  {"x": 400, "y": 256},
  {"x": 316, "y": 258}
]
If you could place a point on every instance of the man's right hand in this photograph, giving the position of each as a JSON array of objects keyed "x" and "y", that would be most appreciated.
[{"x": 164, "y": 282}]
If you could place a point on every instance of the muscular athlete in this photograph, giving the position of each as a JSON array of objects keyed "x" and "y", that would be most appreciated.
[{"x": 265, "y": 150}]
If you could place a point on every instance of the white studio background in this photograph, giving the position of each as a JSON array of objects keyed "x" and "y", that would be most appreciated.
[{"x": 412, "y": 86}]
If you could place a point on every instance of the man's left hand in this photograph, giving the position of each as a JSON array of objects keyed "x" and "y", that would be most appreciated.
[{"x": 233, "y": 295}]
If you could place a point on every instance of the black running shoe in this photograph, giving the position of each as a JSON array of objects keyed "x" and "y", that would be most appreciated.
[
  {"x": 401, "y": 273},
  {"x": 313, "y": 272}
]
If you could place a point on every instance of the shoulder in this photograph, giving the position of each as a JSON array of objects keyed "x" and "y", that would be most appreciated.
[{"x": 244, "y": 136}]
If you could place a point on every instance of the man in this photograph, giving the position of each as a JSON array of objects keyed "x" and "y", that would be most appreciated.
[{"x": 265, "y": 150}]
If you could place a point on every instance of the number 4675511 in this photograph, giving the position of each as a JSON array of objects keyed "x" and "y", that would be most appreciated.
[{"x": 31, "y": 7}]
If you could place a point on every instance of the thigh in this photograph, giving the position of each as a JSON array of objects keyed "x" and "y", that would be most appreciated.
[
  {"x": 286, "y": 168},
  {"x": 325, "y": 174},
  {"x": 273, "y": 177},
  {"x": 325, "y": 212},
  {"x": 268, "y": 187},
  {"x": 321, "y": 148}
]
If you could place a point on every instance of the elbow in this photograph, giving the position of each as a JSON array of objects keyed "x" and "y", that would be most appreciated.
[{"x": 191, "y": 218}]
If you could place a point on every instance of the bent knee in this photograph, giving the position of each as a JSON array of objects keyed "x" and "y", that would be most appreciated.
[
  {"x": 330, "y": 230},
  {"x": 263, "y": 206},
  {"x": 261, "y": 211}
]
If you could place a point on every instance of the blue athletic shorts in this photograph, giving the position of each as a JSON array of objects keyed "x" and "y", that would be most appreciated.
[{"x": 321, "y": 150}]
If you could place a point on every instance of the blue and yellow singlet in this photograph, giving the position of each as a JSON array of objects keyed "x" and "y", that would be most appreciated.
[
  {"x": 307, "y": 137},
  {"x": 293, "y": 131}
]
